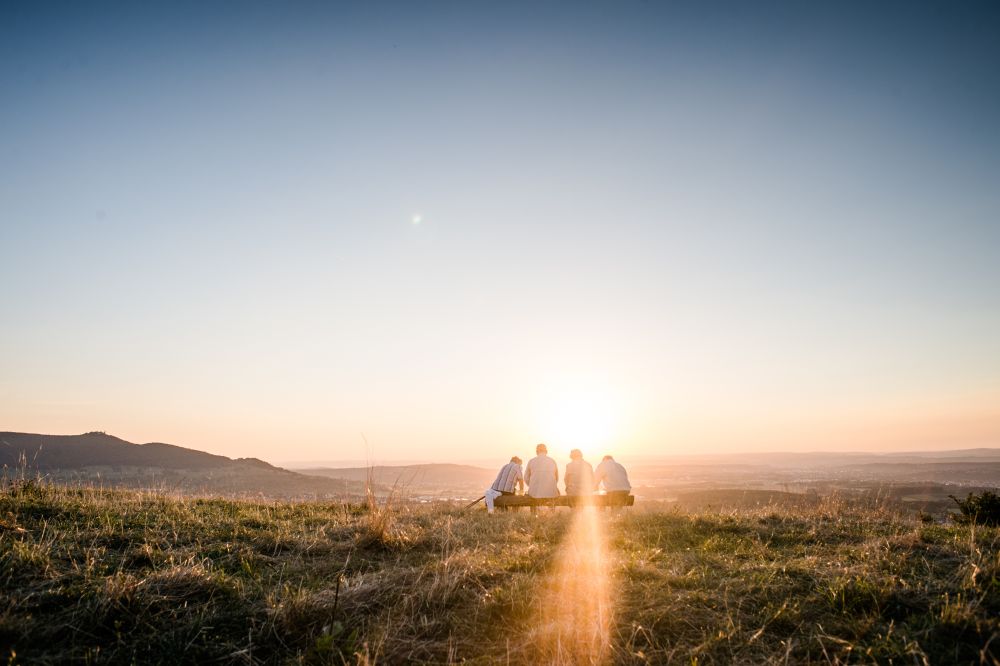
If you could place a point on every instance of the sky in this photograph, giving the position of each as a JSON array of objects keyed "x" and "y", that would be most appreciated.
[{"x": 447, "y": 231}]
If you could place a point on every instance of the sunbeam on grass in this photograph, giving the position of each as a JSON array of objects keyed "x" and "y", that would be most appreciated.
[{"x": 575, "y": 612}]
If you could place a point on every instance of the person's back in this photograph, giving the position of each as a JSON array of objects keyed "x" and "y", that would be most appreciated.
[
  {"x": 510, "y": 476},
  {"x": 542, "y": 474},
  {"x": 613, "y": 475},
  {"x": 579, "y": 475}
]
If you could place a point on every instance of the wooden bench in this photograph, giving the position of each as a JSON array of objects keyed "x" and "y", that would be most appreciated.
[{"x": 513, "y": 501}]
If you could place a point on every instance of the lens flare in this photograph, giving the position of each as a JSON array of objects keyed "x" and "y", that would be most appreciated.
[{"x": 575, "y": 618}]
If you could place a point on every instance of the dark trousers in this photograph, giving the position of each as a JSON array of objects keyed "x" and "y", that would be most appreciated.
[
  {"x": 618, "y": 496},
  {"x": 504, "y": 493}
]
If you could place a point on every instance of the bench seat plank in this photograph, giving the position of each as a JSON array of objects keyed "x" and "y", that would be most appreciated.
[{"x": 565, "y": 500}]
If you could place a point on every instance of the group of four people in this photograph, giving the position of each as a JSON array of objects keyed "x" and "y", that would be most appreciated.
[{"x": 542, "y": 477}]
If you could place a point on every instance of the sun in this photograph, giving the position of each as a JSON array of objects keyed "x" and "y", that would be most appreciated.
[{"x": 581, "y": 417}]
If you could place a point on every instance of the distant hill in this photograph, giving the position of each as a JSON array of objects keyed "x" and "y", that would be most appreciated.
[
  {"x": 97, "y": 448},
  {"x": 819, "y": 459},
  {"x": 968, "y": 472},
  {"x": 99, "y": 457}
]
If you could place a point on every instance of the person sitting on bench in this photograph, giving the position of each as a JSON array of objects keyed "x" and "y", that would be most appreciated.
[
  {"x": 509, "y": 476},
  {"x": 614, "y": 477},
  {"x": 579, "y": 475},
  {"x": 542, "y": 475}
]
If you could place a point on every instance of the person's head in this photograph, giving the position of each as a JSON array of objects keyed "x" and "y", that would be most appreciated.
[
  {"x": 607, "y": 458},
  {"x": 515, "y": 459},
  {"x": 541, "y": 449},
  {"x": 576, "y": 454}
]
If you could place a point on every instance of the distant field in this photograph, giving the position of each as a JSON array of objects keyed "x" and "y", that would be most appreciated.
[
  {"x": 127, "y": 577},
  {"x": 437, "y": 479}
]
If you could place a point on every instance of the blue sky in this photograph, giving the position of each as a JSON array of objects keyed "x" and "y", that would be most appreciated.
[{"x": 725, "y": 226}]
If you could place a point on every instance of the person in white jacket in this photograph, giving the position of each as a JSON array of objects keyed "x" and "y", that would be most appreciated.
[
  {"x": 614, "y": 477},
  {"x": 542, "y": 474},
  {"x": 579, "y": 475}
]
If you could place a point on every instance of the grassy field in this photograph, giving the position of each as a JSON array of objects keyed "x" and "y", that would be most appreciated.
[{"x": 97, "y": 576}]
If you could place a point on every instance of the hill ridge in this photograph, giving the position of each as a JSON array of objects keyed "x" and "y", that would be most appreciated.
[{"x": 96, "y": 455}]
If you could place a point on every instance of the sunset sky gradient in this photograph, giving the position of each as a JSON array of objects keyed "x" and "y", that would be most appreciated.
[{"x": 457, "y": 229}]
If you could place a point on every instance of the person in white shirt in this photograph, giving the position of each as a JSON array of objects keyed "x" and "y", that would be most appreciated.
[
  {"x": 613, "y": 476},
  {"x": 542, "y": 474},
  {"x": 579, "y": 475},
  {"x": 510, "y": 476}
]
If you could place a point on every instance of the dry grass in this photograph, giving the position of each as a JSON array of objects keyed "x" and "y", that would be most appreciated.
[{"x": 127, "y": 577}]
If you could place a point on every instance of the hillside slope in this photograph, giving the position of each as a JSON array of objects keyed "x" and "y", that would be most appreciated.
[
  {"x": 117, "y": 577},
  {"x": 99, "y": 457}
]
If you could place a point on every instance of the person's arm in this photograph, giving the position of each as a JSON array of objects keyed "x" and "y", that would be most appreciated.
[
  {"x": 519, "y": 480},
  {"x": 527, "y": 474},
  {"x": 599, "y": 476}
]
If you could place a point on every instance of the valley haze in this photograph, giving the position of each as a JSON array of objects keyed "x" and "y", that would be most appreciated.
[{"x": 919, "y": 481}]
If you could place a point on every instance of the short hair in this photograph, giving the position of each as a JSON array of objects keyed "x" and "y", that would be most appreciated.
[
  {"x": 515, "y": 459},
  {"x": 606, "y": 458},
  {"x": 541, "y": 448},
  {"x": 575, "y": 453}
]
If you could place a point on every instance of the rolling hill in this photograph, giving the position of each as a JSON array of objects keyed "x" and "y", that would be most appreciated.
[{"x": 97, "y": 457}]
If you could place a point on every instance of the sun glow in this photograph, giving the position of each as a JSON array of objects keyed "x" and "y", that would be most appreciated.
[{"x": 581, "y": 417}]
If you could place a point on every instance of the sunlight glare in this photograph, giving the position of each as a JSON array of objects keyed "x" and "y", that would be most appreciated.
[
  {"x": 581, "y": 418},
  {"x": 576, "y": 619}
]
